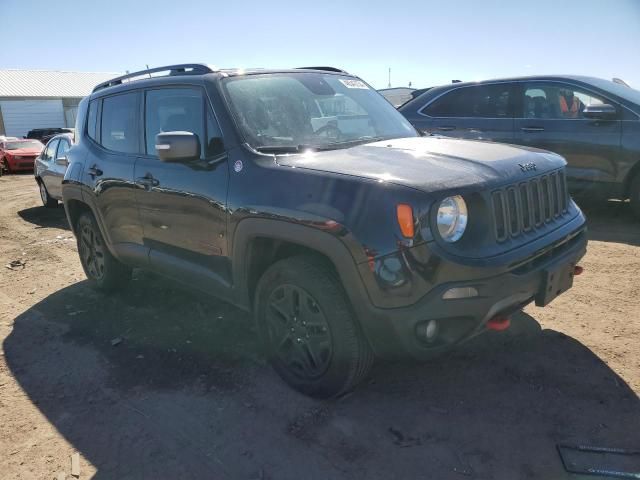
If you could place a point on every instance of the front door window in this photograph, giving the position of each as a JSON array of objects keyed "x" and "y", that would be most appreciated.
[{"x": 556, "y": 101}]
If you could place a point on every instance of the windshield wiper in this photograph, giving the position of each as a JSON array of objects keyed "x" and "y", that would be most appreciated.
[
  {"x": 275, "y": 149},
  {"x": 284, "y": 148},
  {"x": 351, "y": 143}
]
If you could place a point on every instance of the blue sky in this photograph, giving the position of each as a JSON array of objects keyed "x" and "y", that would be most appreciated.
[{"x": 425, "y": 42}]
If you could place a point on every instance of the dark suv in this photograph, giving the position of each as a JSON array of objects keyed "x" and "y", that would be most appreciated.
[
  {"x": 593, "y": 123},
  {"x": 46, "y": 134},
  {"x": 304, "y": 196}
]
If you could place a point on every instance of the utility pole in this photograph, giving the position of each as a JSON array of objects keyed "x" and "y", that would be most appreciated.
[{"x": 389, "y": 77}]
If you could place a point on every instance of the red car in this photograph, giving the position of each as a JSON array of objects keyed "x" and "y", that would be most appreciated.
[{"x": 17, "y": 155}]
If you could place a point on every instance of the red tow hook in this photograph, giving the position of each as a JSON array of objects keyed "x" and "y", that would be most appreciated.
[
  {"x": 499, "y": 323},
  {"x": 577, "y": 270}
]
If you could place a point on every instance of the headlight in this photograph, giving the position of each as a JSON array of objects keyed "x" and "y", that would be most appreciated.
[{"x": 452, "y": 218}]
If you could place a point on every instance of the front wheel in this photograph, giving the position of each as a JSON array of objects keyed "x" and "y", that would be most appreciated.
[
  {"x": 47, "y": 201},
  {"x": 634, "y": 196},
  {"x": 103, "y": 270},
  {"x": 311, "y": 336}
]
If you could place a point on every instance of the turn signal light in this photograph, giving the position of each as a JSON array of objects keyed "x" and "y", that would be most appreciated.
[{"x": 405, "y": 219}]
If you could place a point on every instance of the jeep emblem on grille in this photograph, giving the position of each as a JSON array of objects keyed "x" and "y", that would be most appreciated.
[{"x": 527, "y": 167}]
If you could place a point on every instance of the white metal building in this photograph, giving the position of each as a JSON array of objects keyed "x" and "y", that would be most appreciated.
[{"x": 42, "y": 99}]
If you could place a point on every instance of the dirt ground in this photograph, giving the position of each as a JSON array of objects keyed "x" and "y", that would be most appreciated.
[{"x": 186, "y": 393}]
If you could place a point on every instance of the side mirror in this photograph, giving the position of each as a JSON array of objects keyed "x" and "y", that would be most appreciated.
[
  {"x": 62, "y": 161},
  {"x": 177, "y": 146},
  {"x": 600, "y": 112}
]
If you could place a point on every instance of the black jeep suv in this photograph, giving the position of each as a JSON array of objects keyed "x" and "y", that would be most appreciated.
[{"x": 304, "y": 196}]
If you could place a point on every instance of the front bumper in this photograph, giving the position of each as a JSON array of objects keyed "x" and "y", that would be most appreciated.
[
  {"x": 21, "y": 164},
  {"x": 394, "y": 331}
]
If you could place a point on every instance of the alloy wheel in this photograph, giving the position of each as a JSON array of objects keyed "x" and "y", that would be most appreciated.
[
  {"x": 43, "y": 193},
  {"x": 298, "y": 331},
  {"x": 92, "y": 251}
]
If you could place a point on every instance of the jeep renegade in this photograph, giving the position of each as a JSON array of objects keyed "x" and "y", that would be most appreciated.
[{"x": 303, "y": 196}]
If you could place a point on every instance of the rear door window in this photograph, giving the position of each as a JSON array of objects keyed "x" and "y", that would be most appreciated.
[
  {"x": 119, "y": 130},
  {"x": 484, "y": 101},
  {"x": 92, "y": 120}
]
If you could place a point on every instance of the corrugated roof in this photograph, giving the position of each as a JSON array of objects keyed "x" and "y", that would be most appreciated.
[{"x": 48, "y": 83}]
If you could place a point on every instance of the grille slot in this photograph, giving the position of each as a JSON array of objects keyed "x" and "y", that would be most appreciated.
[{"x": 527, "y": 206}]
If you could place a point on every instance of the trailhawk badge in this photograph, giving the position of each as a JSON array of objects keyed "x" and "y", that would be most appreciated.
[{"x": 527, "y": 167}]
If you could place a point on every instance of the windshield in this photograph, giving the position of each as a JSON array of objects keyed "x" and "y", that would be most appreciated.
[
  {"x": 23, "y": 144},
  {"x": 296, "y": 110}
]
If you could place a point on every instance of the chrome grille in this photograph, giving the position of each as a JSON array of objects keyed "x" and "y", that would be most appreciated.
[{"x": 528, "y": 205}]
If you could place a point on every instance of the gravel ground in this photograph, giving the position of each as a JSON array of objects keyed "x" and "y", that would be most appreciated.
[{"x": 185, "y": 393}]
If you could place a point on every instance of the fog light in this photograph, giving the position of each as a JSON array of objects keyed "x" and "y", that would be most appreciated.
[
  {"x": 432, "y": 330},
  {"x": 460, "y": 292},
  {"x": 428, "y": 331}
]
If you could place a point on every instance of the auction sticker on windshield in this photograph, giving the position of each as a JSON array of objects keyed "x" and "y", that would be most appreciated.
[{"x": 354, "y": 83}]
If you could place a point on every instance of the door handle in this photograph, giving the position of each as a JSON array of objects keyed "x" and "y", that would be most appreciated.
[
  {"x": 446, "y": 128},
  {"x": 94, "y": 171},
  {"x": 147, "y": 181},
  {"x": 532, "y": 129}
]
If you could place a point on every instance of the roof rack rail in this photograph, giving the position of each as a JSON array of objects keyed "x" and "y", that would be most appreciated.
[
  {"x": 326, "y": 69},
  {"x": 181, "y": 69}
]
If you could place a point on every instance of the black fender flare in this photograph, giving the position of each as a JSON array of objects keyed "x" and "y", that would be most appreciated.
[{"x": 310, "y": 237}]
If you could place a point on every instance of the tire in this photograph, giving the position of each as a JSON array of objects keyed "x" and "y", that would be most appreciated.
[
  {"x": 102, "y": 269},
  {"x": 310, "y": 334},
  {"x": 47, "y": 201},
  {"x": 634, "y": 196}
]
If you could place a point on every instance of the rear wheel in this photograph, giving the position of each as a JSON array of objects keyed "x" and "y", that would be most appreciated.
[
  {"x": 47, "y": 201},
  {"x": 103, "y": 270},
  {"x": 634, "y": 195},
  {"x": 310, "y": 334}
]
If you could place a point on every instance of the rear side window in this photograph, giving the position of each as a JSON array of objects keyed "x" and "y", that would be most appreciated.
[
  {"x": 173, "y": 110},
  {"x": 119, "y": 128},
  {"x": 92, "y": 120},
  {"x": 488, "y": 101}
]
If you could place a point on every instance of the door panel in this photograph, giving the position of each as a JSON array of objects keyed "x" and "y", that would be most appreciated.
[
  {"x": 45, "y": 165},
  {"x": 552, "y": 120},
  {"x": 482, "y": 112},
  {"x": 114, "y": 125},
  {"x": 182, "y": 209},
  {"x": 182, "y": 204},
  {"x": 57, "y": 171}
]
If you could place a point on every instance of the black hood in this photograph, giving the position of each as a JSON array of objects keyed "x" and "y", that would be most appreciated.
[{"x": 432, "y": 163}]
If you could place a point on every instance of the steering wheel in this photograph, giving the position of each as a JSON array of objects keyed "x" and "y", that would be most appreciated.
[{"x": 329, "y": 131}]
